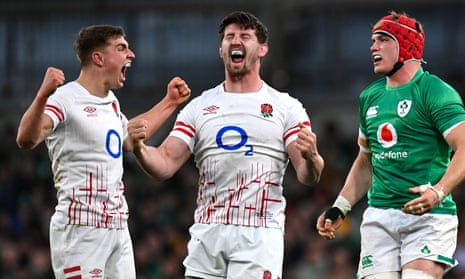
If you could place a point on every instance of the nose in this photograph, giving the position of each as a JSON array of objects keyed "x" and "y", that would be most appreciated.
[
  {"x": 236, "y": 40},
  {"x": 131, "y": 54}
]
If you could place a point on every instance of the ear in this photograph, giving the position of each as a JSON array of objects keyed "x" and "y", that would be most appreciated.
[
  {"x": 263, "y": 50},
  {"x": 97, "y": 58},
  {"x": 219, "y": 51}
]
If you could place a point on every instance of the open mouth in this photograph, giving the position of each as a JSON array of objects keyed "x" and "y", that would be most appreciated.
[
  {"x": 237, "y": 55},
  {"x": 124, "y": 70},
  {"x": 376, "y": 58}
]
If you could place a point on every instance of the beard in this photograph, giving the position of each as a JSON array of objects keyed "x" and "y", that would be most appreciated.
[{"x": 237, "y": 73}]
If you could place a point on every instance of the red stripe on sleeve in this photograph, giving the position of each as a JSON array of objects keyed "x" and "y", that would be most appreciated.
[
  {"x": 184, "y": 131},
  {"x": 294, "y": 130},
  {"x": 55, "y": 110},
  {"x": 185, "y": 125},
  {"x": 72, "y": 269}
]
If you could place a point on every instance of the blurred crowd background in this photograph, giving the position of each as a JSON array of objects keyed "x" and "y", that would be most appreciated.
[{"x": 319, "y": 52}]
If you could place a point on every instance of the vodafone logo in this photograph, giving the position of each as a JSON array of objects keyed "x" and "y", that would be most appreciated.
[{"x": 387, "y": 135}]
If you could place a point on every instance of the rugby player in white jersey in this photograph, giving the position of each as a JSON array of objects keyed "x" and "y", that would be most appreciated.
[
  {"x": 85, "y": 132},
  {"x": 242, "y": 134}
]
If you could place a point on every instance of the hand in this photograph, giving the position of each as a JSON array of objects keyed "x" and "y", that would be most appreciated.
[
  {"x": 178, "y": 91},
  {"x": 427, "y": 201},
  {"x": 306, "y": 142},
  {"x": 329, "y": 222},
  {"x": 53, "y": 79},
  {"x": 137, "y": 131}
]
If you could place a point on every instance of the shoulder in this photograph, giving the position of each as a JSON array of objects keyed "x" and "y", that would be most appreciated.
[
  {"x": 211, "y": 92},
  {"x": 281, "y": 96},
  {"x": 435, "y": 90},
  {"x": 432, "y": 81},
  {"x": 373, "y": 87},
  {"x": 66, "y": 93},
  {"x": 204, "y": 99}
]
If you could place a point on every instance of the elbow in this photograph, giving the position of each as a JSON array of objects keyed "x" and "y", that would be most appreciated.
[
  {"x": 310, "y": 180},
  {"x": 155, "y": 174},
  {"x": 24, "y": 143},
  {"x": 312, "y": 175},
  {"x": 159, "y": 177},
  {"x": 316, "y": 178}
]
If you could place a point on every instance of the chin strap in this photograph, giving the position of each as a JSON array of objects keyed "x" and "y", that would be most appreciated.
[{"x": 396, "y": 67}]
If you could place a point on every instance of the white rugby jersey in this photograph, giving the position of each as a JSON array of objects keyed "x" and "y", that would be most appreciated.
[
  {"x": 85, "y": 148},
  {"x": 239, "y": 142}
]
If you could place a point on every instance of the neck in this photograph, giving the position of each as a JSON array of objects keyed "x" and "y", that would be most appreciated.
[
  {"x": 250, "y": 82},
  {"x": 404, "y": 74},
  {"x": 92, "y": 83}
]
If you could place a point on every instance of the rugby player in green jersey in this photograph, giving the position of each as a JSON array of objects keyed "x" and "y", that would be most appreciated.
[{"x": 410, "y": 123}]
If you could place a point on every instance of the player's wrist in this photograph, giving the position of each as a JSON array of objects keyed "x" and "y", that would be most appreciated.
[
  {"x": 439, "y": 193},
  {"x": 340, "y": 209},
  {"x": 438, "y": 190},
  {"x": 138, "y": 147},
  {"x": 333, "y": 213},
  {"x": 343, "y": 205}
]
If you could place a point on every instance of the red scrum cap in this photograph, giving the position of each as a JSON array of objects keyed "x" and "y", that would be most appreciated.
[{"x": 406, "y": 31}]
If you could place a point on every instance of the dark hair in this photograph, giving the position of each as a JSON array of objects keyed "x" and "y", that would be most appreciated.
[
  {"x": 247, "y": 21},
  {"x": 94, "y": 37}
]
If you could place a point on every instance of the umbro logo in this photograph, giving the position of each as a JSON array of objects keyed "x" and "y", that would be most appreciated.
[
  {"x": 90, "y": 110},
  {"x": 96, "y": 273},
  {"x": 210, "y": 109}
]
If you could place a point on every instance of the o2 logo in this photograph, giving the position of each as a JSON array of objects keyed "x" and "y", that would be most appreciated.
[
  {"x": 243, "y": 135},
  {"x": 113, "y": 140}
]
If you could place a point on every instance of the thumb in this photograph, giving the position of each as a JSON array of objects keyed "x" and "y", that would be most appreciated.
[
  {"x": 328, "y": 224},
  {"x": 420, "y": 189},
  {"x": 415, "y": 190}
]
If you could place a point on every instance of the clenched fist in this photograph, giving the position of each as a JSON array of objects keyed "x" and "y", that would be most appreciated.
[
  {"x": 53, "y": 78},
  {"x": 178, "y": 91}
]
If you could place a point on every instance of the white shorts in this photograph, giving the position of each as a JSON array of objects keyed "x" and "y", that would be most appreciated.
[
  {"x": 391, "y": 238},
  {"x": 229, "y": 251},
  {"x": 91, "y": 252}
]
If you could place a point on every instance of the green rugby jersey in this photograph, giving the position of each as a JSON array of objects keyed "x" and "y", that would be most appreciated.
[{"x": 405, "y": 126}]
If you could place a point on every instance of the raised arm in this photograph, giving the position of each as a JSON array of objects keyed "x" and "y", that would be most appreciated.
[
  {"x": 160, "y": 162},
  {"x": 305, "y": 158},
  {"x": 35, "y": 126},
  {"x": 177, "y": 93}
]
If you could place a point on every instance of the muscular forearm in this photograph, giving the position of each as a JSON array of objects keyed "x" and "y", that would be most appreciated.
[
  {"x": 177, "y": 93},
  {"x": 34, "y": 125},
  {"x": 157, "y": 115},
  {"x": 32, "y": 129},
  {"x": 153, "y": 119},
  {"x": 151, "y": 161},
  {"x": 455, "y": 173},
  {"x": 164, "y": 161},
  {"x": 359, "y": 179},
  {"x": 310, "y": 172}
]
